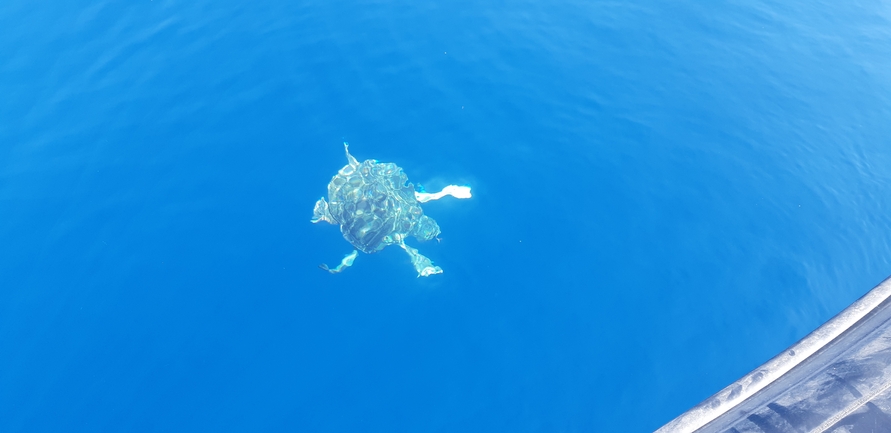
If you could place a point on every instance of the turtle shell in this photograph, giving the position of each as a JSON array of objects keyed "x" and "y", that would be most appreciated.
[{"x": 375, "y": 206}]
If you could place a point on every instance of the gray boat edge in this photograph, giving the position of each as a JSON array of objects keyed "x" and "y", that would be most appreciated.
[{"x": 753, "y": 382}]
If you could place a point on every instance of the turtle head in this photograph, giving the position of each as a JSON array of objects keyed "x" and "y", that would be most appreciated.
[{"x": 426, "y": 229}]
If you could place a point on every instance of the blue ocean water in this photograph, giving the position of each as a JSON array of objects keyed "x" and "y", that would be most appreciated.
[{"x": 666, "y": 194}]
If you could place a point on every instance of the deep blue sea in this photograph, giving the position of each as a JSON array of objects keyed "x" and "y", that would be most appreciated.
[{"x": 666, "y": 194}]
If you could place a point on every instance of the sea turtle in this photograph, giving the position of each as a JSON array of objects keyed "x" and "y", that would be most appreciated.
[{"x": 375, "y": 206}]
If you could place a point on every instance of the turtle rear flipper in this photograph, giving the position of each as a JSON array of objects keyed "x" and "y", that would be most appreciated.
[
  {"x": 321, "y": 212},
  {"x": 345, "y": 263},
  {"x": 352, "y": 161}
]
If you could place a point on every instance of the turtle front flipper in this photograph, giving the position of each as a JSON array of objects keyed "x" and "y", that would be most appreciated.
[
  {"x": 422, "y": 264},
  {"x": 452, "y": 190},
  {"x": 345, "y": 263}
]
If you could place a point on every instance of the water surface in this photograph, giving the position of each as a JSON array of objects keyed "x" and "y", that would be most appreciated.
[{"x": 666, "y": 194}]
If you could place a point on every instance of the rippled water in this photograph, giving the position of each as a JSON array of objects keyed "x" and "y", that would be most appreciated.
[{"x": 666, "y": 194}]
